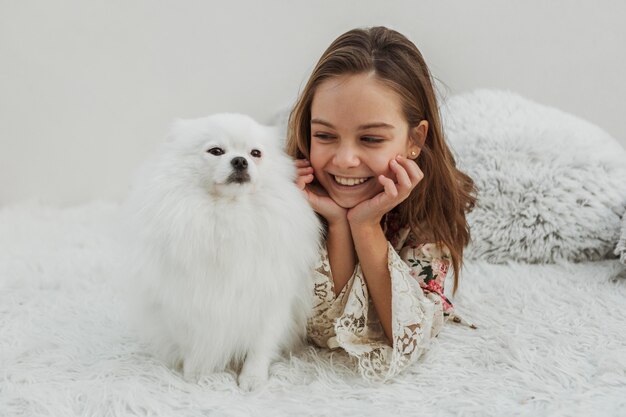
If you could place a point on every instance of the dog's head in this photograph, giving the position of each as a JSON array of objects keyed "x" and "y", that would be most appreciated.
[{"x": 227, "y": 154}]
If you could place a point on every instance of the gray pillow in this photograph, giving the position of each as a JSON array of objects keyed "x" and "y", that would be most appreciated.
[{"x": 551, "y": 186}]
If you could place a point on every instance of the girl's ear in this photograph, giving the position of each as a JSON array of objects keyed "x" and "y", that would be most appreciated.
[{"x": 417, "y": 138}]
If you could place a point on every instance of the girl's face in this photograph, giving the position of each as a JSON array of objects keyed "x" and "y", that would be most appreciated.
[{"x": 357, "y": 127}]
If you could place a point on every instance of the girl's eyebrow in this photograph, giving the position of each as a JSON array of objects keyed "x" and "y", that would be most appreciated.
[{"x": 362, "y": 127}]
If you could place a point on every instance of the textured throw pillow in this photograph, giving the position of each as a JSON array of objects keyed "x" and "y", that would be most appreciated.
[{"x": 551, "y": 186}]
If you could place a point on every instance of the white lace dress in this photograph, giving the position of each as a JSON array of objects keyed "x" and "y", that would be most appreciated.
[{"x": 419, "y": 307}]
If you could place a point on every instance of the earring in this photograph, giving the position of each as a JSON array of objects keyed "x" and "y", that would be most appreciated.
[{"x": 413, "y": 154}]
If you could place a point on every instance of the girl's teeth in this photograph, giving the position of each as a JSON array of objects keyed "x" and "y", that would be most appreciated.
[{"x": 350, "y": 181}]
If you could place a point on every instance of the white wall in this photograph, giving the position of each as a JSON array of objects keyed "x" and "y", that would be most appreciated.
[{"x": 87, "y": 89}]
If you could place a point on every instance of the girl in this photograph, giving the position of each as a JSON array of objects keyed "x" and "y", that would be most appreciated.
[{"x": 372, "y": 161}]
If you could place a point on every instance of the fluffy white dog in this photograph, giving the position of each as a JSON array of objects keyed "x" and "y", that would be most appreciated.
[{"x": 225, "y": 249}]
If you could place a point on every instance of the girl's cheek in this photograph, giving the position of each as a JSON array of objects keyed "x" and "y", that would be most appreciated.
[
  {"x": 313, "y": 158},
  {"x": 316, "y": 158},
  {"x": 380, "y": 166}
]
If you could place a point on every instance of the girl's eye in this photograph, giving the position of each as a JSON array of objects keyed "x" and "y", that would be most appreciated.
[
  {"x": 322, "y": 136},
  {"x": 216, "y": 151},
  {"x": 255, "y": 153},
  {"x": 370, "y": 139}
]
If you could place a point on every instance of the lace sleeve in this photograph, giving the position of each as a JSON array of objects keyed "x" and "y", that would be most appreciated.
[
  {"x": 416, "y": 318},
  {"x": 359, "y": 332},
  {"x": 326, "y": 307}
]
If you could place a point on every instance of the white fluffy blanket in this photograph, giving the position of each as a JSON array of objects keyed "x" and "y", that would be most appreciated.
[{"x": 551, "y": 341}]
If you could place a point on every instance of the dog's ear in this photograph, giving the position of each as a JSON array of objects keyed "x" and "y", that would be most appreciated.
[{"x": 178, "y": 128}]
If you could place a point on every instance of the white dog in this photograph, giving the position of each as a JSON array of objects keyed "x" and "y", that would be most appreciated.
[{"x": 226, "y": 245}]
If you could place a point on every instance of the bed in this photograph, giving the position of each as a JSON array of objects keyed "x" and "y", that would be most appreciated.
[{"x": 543, "y": 281}]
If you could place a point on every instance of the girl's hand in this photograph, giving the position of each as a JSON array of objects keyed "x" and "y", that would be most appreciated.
[
  {"x": 370, "y": 212},
  {"x": 318, "y": 197}
]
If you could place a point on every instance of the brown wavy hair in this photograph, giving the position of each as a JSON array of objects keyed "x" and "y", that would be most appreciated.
[{"x": 437, "y": 206}]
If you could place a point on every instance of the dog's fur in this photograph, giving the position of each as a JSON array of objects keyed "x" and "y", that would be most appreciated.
[{"x": 224, "y": 253}]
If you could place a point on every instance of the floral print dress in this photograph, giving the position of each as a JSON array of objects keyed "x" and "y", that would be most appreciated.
[{"x": 419, "y": 306}]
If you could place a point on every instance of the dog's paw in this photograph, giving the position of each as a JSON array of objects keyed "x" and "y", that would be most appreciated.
[{"x": 251, "y": 382}]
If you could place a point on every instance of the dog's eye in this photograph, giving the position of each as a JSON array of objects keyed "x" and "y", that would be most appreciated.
[
  {"x": 216, "y": 151},
  {"x": 255, "y": 153}
]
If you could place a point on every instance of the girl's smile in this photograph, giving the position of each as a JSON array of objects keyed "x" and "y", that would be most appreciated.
[
  {"x": 357, "y": 127},
  {"x": 350, "y": 184}
]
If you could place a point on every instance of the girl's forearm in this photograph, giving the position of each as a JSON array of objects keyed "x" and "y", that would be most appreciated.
[
  {"x": 371, "y": 248},
  {"x": 341, "y": 254}
]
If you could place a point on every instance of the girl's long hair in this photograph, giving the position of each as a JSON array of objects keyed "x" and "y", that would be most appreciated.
[{"x": 437, "y": 205}]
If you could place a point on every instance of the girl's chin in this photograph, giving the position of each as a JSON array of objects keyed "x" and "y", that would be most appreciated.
[
  {"x": 349, "y": 202},
  {"x": 347, "y": 205}
]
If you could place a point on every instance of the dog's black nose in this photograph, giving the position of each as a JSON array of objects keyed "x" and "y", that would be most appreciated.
[{"x": 239, "y": 163}]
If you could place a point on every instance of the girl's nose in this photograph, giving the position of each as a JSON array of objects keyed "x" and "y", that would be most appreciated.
[{"x": 346, "y": 157}]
